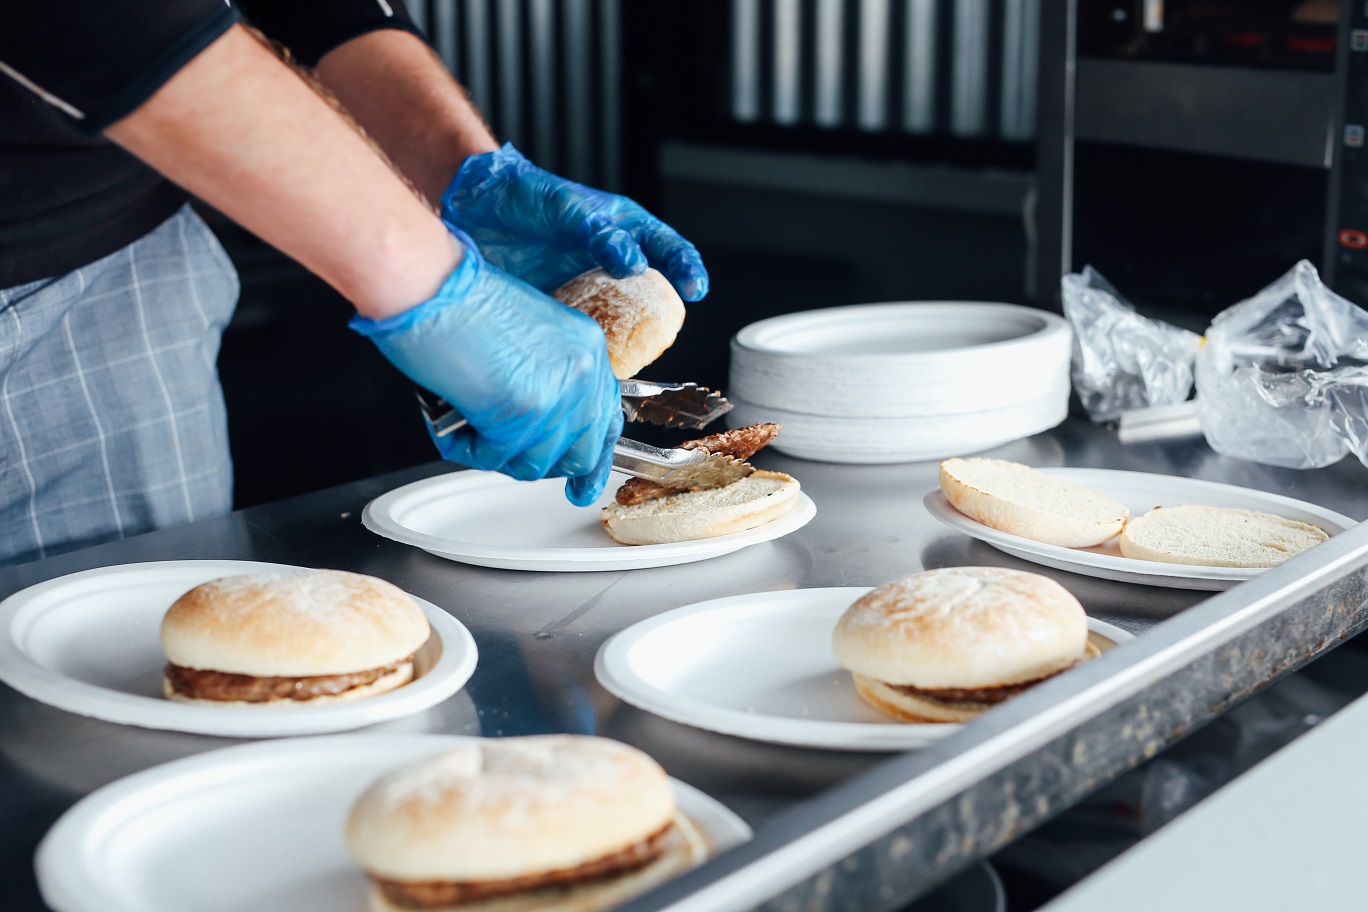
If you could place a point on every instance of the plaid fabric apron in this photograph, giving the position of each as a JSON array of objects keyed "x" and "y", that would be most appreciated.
[{"x": 111, "y": 416}]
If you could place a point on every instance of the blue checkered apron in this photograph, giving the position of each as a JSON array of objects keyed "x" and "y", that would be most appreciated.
[{"x": 111, "y": 415}]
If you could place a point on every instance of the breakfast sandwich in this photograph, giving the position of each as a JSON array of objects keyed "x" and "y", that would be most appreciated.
[
  {"x": 550, "y": 822},
  {"x": 946, "y": 645},
  {"x": 290, "y": 638}
]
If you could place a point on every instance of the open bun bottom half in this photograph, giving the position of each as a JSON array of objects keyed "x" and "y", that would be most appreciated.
[
  {"x": 392, "y": 681},
  {"x": 591, "y": 896},
  {"x": 691, "y": 515}
]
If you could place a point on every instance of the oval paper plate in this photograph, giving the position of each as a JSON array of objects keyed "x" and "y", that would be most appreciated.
[
  {"x": 89, "y": 643},
  {"x": 1141, "y": 492},
  {"x": 258, "y": 827},
  {"x": 491, "y": 520},
  {"x": 760, "y": 667}
]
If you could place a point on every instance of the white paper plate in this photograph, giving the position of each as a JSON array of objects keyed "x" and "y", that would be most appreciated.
[
  {"x": 899, "y": 360},
  {"x": 865, "y": 441},
  {"x": 255, "y": 827},
  {"x": 1141, "y": 492},
  {"x": 89, "y": 643},
  {"x": 760, "y": 667},
  {"x": 491, "y": 520}
]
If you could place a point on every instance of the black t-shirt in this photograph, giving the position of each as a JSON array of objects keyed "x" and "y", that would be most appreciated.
[{"x": 68, "y": 70}]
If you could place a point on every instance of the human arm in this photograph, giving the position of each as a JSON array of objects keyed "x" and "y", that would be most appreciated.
[
  {"x": 246, "y": 134},
  {"x": 231, "y": 123},
  {"x": 241, "y": 131},
  {"x": 533, "y": 223}
]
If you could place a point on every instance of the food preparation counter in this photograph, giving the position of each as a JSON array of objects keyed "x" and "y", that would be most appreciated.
[{"x": 834, "y": 830}]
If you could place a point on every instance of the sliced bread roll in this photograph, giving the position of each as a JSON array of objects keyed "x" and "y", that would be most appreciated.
[
  {"x": 745, "y": 504},
  {"x": 640, "y": 315},
  {"x": 1216, "y": 537},
  {"x": 1018, "y": 499}
]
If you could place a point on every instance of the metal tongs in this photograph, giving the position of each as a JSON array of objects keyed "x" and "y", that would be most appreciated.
[{"x": 682, "y": 405}]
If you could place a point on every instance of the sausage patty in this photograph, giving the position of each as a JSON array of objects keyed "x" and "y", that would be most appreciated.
[
  {"x": 439, "y": 893},
  {"x": 741, "y": 443},
  {"x": 200, "y": 684}
]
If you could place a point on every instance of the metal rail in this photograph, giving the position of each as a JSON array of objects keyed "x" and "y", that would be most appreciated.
[{"x": 896, "y": 832}]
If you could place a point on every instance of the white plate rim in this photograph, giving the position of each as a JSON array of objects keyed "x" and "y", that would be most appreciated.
[
  {"x": 72, "y": 887},
  {"x": 453, "y": 669},
  {"x": 807, "y": 439},
  {"x": 378, "y": 516},
  {"x": 613, "y": 671},
  {"x": 1126, "y": 569},
  {"x": 1051, "y": 325}
]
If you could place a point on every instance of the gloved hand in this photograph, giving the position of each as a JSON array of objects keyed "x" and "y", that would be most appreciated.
[
  {"x": 546, "y": 230},
  {"x": 530, "y": 375}
]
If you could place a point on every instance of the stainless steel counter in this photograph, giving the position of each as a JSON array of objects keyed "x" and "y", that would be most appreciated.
[{"x": 834, "y": 830}]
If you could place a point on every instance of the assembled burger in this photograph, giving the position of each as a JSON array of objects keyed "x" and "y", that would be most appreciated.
[
  {"x": 946, "y": 645},
  {"x": 552, "y": 822},
  {"x": 290, "y": 638}
]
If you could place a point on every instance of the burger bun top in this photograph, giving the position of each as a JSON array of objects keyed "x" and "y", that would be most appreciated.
[
  {"x": 293, "y": 623},
  {"x": 509, "y": 807},
  {"x": 962, "y": 627}
]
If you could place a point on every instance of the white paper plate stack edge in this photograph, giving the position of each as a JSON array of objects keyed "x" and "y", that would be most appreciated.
[{"x": 904, "y": 381}]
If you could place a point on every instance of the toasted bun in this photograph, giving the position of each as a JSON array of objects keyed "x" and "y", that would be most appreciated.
[
  {"x": 908, "y": 707},
  {"x": 1217, "y": 537},
  {"x": 745, "y": 504},
  {"x": 293, "y": 623},
  {"x": 509, "y": 807},
  {"x": 962, "y": 627},
  {"x": 912, "y": 708},
  {"x": 640, "y": 315},
  {"x": 1018, "y": 499},
  {"x": 395, "y": 679},
  {"x": 590, "y": 896}
]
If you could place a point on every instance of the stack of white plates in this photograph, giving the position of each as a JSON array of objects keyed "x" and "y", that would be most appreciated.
[{"x": 904, "y": 381}]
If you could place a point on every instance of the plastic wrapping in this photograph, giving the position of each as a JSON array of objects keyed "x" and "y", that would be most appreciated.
[
  {"x": 1281, "y": 380},
  {"x": 1121, "y": 360}
]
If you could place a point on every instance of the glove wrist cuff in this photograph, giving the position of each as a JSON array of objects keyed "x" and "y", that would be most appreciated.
[
  {"x": 454, "y": 289},
  {"x": 478, "y": 173}
]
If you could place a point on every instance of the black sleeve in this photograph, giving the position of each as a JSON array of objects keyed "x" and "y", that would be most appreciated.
[
  {"x": 311, "y": 28},
  {"x": 98, "y": 60}
]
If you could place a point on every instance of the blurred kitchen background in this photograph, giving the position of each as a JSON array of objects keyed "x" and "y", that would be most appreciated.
[{"x": 826, "y": 152}]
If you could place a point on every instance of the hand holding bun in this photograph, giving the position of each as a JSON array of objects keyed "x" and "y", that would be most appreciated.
[
  {"x": 1020, "y": 500},
  {"x": 290, "y": 637},
  {"x": 946, "y": 645},
  {"x": 561, "y": 822},
  {"x": 640, "y": 315}
]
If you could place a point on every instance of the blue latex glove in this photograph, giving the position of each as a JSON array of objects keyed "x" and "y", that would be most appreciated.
[
  {"x": 529, "y": 374},
  {"x": 546, "y": 230}
]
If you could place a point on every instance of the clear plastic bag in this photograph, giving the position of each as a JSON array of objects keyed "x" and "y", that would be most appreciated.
[
  {"x": 1281, "y": 380},
  {"x": 1121, "y": 360}
]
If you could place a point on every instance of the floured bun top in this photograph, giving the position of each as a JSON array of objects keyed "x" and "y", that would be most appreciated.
[
  {"x": 509, "y": 807},
  {"x": 640, "y": 315},
  {"x": 962, "y": 627},
  {"x": 293, "y": 623}
]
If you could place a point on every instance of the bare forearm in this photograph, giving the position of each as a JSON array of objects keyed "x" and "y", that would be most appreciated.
[
  {"x": 406, "y": 100},
  {"x": 237, "y": 128}
]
